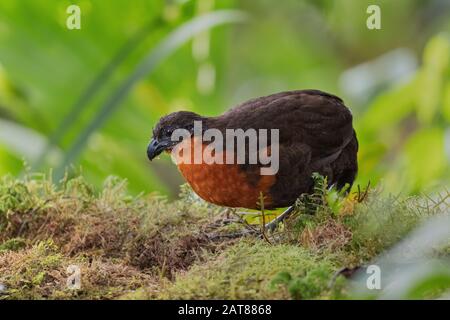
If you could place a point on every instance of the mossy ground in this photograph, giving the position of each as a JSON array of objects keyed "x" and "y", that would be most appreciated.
[{"x": 147, "y": 248}]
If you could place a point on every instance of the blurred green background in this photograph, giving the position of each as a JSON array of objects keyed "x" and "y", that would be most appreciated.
[{"x": 88, "y": 98}]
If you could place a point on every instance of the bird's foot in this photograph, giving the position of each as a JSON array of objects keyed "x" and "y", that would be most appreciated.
[
  {"x": 250, "y": 230},
  {"x": 271, "y": 226}
]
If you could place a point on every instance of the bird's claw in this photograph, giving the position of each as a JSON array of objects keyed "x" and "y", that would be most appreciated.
[{"x": 271, "y": 226}]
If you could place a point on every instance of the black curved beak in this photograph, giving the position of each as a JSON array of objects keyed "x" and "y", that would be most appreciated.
[{"x": 155, "y": 148}]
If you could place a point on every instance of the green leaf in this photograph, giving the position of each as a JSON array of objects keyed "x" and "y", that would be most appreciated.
[
  {"x": 168, "y": 45},
  {"x": 430, "y": 286},
  {"x": 426, "y": 157},
  {"x": 431, "y": 77},
  {"x": 24, "y": 141},
  {"x": 446, "y": 103},
  {"x": 389, "y": 108},
  {"x": 94, "y": 87}
]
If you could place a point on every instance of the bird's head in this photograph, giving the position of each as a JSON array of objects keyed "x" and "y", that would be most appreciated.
[{"x": 162, "y": 133}]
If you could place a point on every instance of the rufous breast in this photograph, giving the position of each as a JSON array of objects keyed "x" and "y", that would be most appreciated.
[{"x": 220, "y": 183}]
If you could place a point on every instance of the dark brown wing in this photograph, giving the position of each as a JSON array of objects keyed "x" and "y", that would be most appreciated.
[
  {"x": 315, "y": 118},
  {"x": 316, "y": 135}
]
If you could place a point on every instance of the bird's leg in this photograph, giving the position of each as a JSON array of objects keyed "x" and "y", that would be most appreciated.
[
  {"x": 240, "y": 215},
  {"x": 274, "y": 223},
  {"x": 251, "y": 231},
  {"x": 228, "y": 213}
]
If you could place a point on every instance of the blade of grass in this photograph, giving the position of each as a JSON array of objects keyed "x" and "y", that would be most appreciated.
[
  {"x": 168, "y": 45},
  {"x": 102, "y": 77}
]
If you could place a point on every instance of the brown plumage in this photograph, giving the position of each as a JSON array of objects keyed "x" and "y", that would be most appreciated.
[{"x": 315, "y": 135}]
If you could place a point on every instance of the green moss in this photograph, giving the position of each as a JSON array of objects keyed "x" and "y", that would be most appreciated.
[
  {"x": 13, "y": 244},
  {"x": 308, "y": 284},
  {"x": 382, "y": 221},
  {"x": 247, "y": 270},
  {"x": 145, "y": 247},
  {"x": 24, "y": 273},
  {"x": 147, "y": 231},
  {"x": 41, "y": 272}
]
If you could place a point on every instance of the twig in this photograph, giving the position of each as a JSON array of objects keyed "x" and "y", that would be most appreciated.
[
  {"x": 230, "y": 235},
  {"x": 366, "y": 191},
  {"x": 263, "y": 225}
]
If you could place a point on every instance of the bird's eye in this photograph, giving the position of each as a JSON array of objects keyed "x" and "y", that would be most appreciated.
[{"x": 167, "y": 132}]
